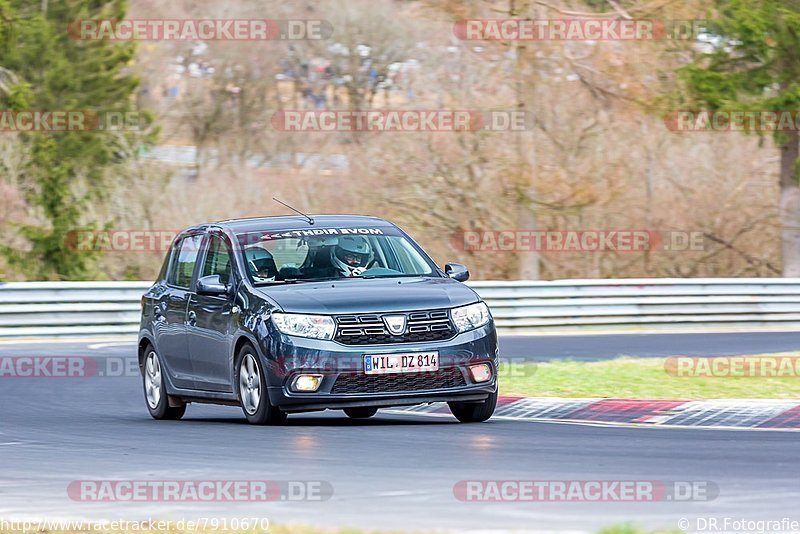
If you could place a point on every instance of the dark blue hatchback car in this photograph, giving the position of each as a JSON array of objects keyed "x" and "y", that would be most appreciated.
[{"x": 295, "y": 314}]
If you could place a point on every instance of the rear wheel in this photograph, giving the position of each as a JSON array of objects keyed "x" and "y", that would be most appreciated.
[
  {"x": 474, "y": 412},
  {"x": 253, "y": 391},
  {"x": 155, "y": 390},
  {"x": 360, "y": 413}
]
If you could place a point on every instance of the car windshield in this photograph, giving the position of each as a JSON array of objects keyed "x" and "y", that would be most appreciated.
[{"x": 331, "y": 253}]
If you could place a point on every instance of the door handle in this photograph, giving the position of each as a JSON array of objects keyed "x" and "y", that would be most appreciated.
[
  {"x": 192, "y": 319},
  {"x": 158, "y": 312},
  {"x": 233, "y": 311}
]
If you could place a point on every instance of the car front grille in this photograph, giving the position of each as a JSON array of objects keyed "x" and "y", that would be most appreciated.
[
  {"x": 394, "y": 383},
  {"x": 369, "y": 329}
]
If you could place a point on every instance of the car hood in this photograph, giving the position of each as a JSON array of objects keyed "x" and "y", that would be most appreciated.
[{"x": 370, "y": 295}]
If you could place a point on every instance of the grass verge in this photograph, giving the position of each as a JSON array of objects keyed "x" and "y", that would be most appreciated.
[{"x": 641, "y": 378}]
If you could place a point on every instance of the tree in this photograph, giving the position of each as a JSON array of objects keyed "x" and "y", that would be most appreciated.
[
  {"x": 47, "y": 69},
  {"x": 755, "y": 68}
]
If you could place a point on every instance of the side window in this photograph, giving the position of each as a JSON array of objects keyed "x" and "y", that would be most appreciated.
[
  {"x": 409, "y": 259},
  {"x": 184, "y": 258},
  {"x": 218, "y": 260}
]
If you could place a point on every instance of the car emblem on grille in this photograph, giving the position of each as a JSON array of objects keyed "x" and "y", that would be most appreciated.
[{"x": 395, "y": 323}]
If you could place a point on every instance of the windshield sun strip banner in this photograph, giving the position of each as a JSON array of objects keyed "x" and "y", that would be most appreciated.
[{"x": 253, "y": 237}]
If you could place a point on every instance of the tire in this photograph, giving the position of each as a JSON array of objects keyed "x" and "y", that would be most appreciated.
[
  {"x": 155, "y": 389},
  {"x": 253, "y": 396},
  {"x": 474, "y": 412},
  {"x": 360, "y": 413}
]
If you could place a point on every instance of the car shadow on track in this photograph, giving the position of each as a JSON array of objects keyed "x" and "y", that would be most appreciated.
[{"x": 333, "y": 420}]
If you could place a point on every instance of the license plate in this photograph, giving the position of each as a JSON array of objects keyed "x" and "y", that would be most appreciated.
[{"x": 416, "y": 362}]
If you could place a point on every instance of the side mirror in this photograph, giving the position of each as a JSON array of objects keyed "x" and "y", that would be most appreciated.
[
  {"x": 211, "y": 285},
  {"x": 456, "y": 271}
]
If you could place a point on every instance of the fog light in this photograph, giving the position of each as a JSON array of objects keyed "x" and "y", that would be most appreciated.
[
  {"x": 481, "y": 373},
  {"x": 307, "y": 383}
]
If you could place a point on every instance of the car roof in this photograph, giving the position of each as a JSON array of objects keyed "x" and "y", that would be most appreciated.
[{"x": 282, "y": 223}]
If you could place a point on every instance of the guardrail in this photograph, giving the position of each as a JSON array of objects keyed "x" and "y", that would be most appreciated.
[{"x": 35, "y": 309}]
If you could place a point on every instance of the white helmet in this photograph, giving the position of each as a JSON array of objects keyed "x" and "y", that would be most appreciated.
[{"x": 351, "y": 255}]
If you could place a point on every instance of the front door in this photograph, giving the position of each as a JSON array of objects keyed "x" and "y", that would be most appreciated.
[
  {"x": 171, "y": 313},
  {"x": 211, "y": 322}
]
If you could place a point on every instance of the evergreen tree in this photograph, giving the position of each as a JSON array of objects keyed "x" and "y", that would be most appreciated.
[
  {"x": 756, "y": 67},
  {"x": 49, "y": 69}
]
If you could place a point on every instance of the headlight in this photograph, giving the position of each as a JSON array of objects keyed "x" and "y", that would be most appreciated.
[
  {"x": 295, "y": 324},
  {"x": 469, "y": 317}
]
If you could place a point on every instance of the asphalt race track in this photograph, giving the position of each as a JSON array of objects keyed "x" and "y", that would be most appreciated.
[{"x": 393, "y": 471}]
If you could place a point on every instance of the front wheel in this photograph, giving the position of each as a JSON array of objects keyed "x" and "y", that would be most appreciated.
[
  {"x": 360, "y": 413},
  {"x": 155, "y": 390},
  {"x": 474, "y": 412},
  {"x": 253, "y": 391}
]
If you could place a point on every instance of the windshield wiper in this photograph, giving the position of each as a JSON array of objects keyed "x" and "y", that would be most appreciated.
[
  {"x": 338, "y": 278},
  {"x": 295, "y": 280},
  {"x": 399, "y": 275}
]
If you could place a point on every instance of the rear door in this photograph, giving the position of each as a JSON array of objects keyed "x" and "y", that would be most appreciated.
[
  {"x": 171, "y": 312},
  {"x": 211, "y": 321}
]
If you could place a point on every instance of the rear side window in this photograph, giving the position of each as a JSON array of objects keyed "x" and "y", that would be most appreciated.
[
  {"x": 218, "y": 260},
  {"x": 183, "y": 260}
]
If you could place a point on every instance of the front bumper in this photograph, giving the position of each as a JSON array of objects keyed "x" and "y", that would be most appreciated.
[{"x": 288, "y": 356}]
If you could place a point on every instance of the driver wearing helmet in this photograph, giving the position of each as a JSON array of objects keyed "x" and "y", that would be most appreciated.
[
  {"x": 261, "y": 263},
  {"x": 351, "y": 255}
]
